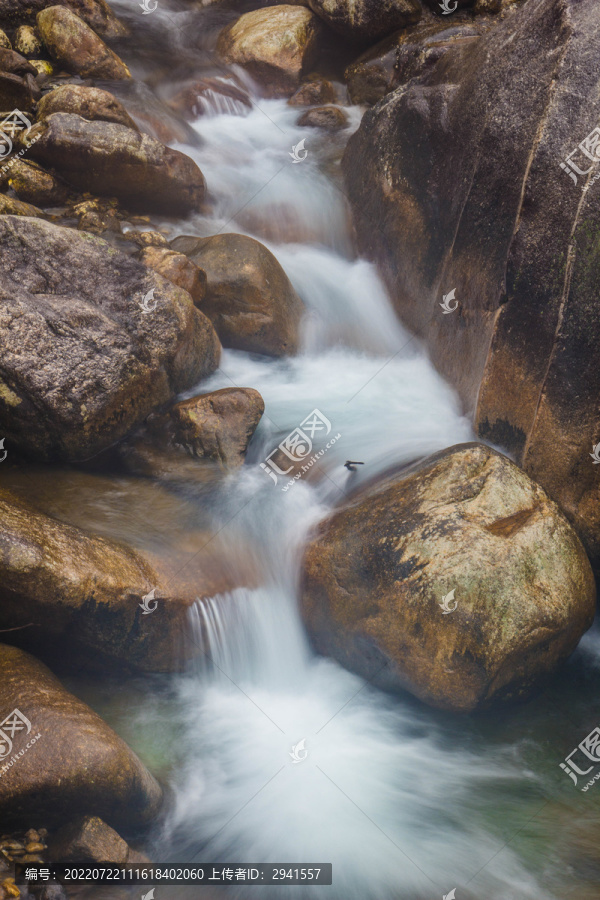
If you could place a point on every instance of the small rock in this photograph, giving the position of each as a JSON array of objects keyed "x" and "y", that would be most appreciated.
[
  {"x": 276, "y": 46},
  {"x": 15, "y": 63},
  {"x": 10, "y": 889},
  {"x": 88, "y": 839},
  {"x": 9, "y": 206},
  {"x": 32, "y": 836},
  {"x": 88, "y": 102},
  {"x": 75, "y": 46},
  {"x": 249, "y": 298},
  {"x": 178, "y": 269},
  {"x": 35, "y": 847},
  {"x": 147, "y": 238},
  {"x": 27, "y": 41},
  {"x": 33, "y": 858},
  {"x": 4, "y": 41},
  {"x": 32, "y": 184},
  {"x": 42, "y": 67},
  {"x": 314, "y": 93},
  {"x": 331, "y": 118},
  {"x": 17, "y": 93}
]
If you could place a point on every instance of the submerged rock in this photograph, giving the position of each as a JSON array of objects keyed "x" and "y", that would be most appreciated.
[
  {"x": 83, "y": 363},
  {"x": 467, "y": 529},
  {"x": 75, "y": 46},
  {"x": 460, "y": 170},
  {"x": 88, "y": 839},
  {"x": 330, "y": 118},
  {"x": 64, "y": 760},
  {"x": 276, "y": 46},
  {"x": 115, "y": 161},
  {"x": 367, "y": 19},
  {"x": 314, "y": 93},
  {"x": 88, "y": 102},
  {"x": 249, "y": 298}
]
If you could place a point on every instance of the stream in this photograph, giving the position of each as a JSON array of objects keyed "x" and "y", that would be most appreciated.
[{"x": 406, "y": 802}]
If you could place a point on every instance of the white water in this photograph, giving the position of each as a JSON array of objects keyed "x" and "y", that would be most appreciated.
[{"x": 383, "y": 794}]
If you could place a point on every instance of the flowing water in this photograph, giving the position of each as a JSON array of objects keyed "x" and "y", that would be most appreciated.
[{"x": 406, "y": 802}]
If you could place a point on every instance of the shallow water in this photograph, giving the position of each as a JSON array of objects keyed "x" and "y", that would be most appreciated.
[{"x": 406, "y": 802}]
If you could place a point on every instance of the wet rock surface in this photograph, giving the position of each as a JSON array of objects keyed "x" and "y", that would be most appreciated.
[
  {"x": 465, "y": 528},
  {"x": 77, "y": 47}
]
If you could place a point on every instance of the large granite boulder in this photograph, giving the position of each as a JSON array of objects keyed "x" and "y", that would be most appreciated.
[
  {"x": 460, "y": 181},
  {"x": 93, "y": 341},
  {"x": 249, "y": 298},
  {"x": 115, "y": 161},
  {"x": 457, "y": 580},
  {"x": 58, "y": 759},
  {"x": 367, "y": 20},
  {"x": 276, "y": 46}
]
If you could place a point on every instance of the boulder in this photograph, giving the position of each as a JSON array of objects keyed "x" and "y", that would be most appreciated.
[
  {"x": 330, "y": 118},
  {"x": 178, "y": 269},
  {"x": 96, "y": 13},
  {"x": 405, "y": 55},
  {"x": 27, "y": 41},
  {"x": 11, "y": 207},
  {"x": 82, "y": 361},
  {"x": 88, "y": 839},
  {"x": 88, "y": 102},
  {"x": 216, "y": 427},
  {"x": 15, "y": 63},
  {"x": 17, "y": 92},
  {"x": 32, "y": 184},
  {"x": 249, "y": 298},
  {"x": 460, "y": 170},
  {"x": 314, "y": 93},
  {"x": 75, "y": 46},
  {"x": 276, "y": 46},
  {"x": 367, "y": 20},
  {"x": 77, "y": 593},
  {"x": 204, "y": 95},
  {"x": 468, "y": 529},
  {"x": 59, "y": 759},
  {"x": 115, "y": 161}
]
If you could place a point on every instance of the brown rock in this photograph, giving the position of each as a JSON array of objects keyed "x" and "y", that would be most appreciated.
[
  {"x": 367, "y": 20},
  {"x": 276, "y": 45},
  {"x": 466, "y": 528},
  {"x": 97, "y": 14},
  {"x": 178, "y": 269},
  {"x": 217, "y": 426},
  {"x": 32, "y": 184},
  {"x": 46, "y": 770},
  {"x": 15, "y": 63},
  {"x": 88, "y": 839},
  {"x": 405, "y": 55},
  {"x": 249, "y": 298},
  {"x": 16, "y": 92},
  {"x": 27, "y": 41},
  {"x": 88, "y": 102},
  {"x": 98, "y": 601},
  {"x": 331, "y": 118},
  {"x": 480, "y": 213},
  {"x": 11, "y": 207},
  {"x": 4, "y": 41},
  {"x": 75, "y": 46},
  {"x": 115, "y": 161},
  {"x": 73, "y": 401},
  {"x": 314, "y": 93}
]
